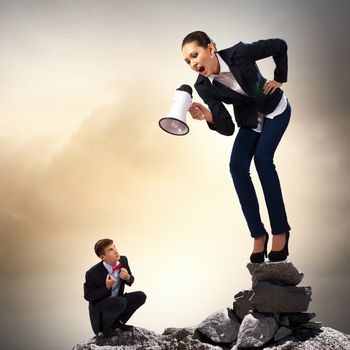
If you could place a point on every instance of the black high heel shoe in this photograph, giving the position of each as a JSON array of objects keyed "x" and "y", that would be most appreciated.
[
  {"x": 258, "y": 258},
  {"x": 280, "y": 255}
]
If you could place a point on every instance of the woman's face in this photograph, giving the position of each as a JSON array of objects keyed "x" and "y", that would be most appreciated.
[{"x": 201, "y": 60}]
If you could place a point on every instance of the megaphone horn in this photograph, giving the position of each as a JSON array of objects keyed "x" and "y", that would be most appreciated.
[{"x": 175, "y": 121}]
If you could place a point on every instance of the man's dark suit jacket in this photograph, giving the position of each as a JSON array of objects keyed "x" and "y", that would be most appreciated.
[
  {"x": 95, "y": 290},
  {"x": 241, "y": 59}
]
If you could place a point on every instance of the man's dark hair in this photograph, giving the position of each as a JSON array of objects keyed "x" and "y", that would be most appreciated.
[
  {"x": 101, "y": 245},
  {"x": 200, "y": 37}
]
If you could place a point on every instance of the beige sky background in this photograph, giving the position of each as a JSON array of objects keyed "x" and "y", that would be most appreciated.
[{"x": 83, "y": 84}]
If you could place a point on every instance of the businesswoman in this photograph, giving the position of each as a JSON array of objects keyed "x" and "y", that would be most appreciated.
[{"x": 262, "y": 113}]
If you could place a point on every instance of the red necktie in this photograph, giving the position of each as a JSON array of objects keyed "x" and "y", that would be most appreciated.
[{"x": 116, "y": 267}]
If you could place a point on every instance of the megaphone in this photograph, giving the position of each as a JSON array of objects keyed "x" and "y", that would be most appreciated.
[{"x": 175, "y": 121}]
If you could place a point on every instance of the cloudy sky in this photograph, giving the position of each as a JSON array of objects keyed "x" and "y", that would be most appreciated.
[{"x": 83, "y": 84}]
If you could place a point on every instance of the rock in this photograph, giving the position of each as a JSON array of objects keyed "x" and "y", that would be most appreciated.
[
  {"x": 296, "y": 318},
  {"x": 284, "y": 321},
  {"x": 220, "y": 327},
  {"x": 170, "y": 330},
  {"x": 281, "y": 333},
  {"x": 256, "y": 330},
  {"x": 241, "y": 305},
  {"x": 179, "y": 333},
  {"x": 138, "y": 336},
  {"x": 311, "y": 325},
  {"x": 143, "y": 339},
  {"x": 192, "y": 344},
  {"x": 302, "y": 338},
  {"x": 269, "y": 297},
  {"x": 284, "y": 273},
  {"x": 327, "y": 339},
  {"x": 277, "y": 317}
]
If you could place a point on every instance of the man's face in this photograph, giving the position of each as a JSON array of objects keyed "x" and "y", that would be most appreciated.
[{"x": 111, "y": 255}]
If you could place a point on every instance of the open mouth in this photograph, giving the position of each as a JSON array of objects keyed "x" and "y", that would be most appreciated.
[{"x": 200, "y": 69}]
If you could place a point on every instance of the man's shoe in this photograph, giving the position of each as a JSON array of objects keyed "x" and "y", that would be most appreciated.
[
  {"x": 110, "y": 333},
  {"x": 123, "y": 327}
]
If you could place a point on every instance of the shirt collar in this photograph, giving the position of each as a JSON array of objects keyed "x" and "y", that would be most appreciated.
[
  {"x": 224, "y": 68},
  {"x": 108, "y": 267}
]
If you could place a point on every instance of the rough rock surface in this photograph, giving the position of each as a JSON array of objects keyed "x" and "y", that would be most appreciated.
[
  {"x": 281, "y": 333},
  {"x": 256, "y": 330},
  {"x": 324, "y": 339},
  {"x": 269, "y": 297},
  {"x": 143, "y": 339},
  {"x": 327, "y": 339},
  {"x": 284, "y": 273},
  {"x": 220, "y": 327},
  {"x": 242, "y": 304},
  {"x": 299, "y": 317},
  {"x": 138, "y": 336}
]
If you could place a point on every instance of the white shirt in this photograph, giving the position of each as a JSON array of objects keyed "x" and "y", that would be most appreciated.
[{"x": 226, "y": 78}]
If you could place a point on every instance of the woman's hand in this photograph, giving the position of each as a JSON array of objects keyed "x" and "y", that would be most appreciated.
[
  {"x": 198, "y": 111},
  {"x": 270, "y": 86}
]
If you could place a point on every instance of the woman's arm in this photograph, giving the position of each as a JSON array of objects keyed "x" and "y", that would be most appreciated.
[
  {"x": 277, "y": 48},
  {"x": 217, "y": 116}
]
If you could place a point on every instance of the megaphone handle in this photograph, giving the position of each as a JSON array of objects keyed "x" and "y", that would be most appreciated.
[{"x": 198, "y": 112}]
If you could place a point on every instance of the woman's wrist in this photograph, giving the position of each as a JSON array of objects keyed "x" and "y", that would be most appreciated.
[{"x": 209, "y": 117}]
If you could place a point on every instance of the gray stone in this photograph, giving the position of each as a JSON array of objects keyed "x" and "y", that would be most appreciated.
[
  {"x": 277, "y": 317},
  {"x": 297, "y": 318},
  {"x": 256, "y": 330},
  {"x": 170, "y": 330},
  {"x": 192, "y": 344},
  {"x": 311, "y": 325},
  {"x": 138, "y": 336},
  {"x": 142, "y": 339},
  {"x": 301, "y": 339},
  {"x": 324, "y": 339},
  {"x": 220, "y": 327},
  {"x": 283, "y": 272},
  {"x": 179, "y": 333},
  {"x": 269, "y": 297},
  {"x": 242, "y": 305},
  {"x": 281, "y": 333},
  {"x": 284, "y": 321}
]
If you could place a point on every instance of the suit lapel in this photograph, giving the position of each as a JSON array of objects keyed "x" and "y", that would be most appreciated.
[
  {"x": 102, "y": 267},
  {"x": 103, "y": 271},
  {"x": 221, "y": 90},
  {"x": 228, "y": 56},
  {"x": 225, "y": 92}
]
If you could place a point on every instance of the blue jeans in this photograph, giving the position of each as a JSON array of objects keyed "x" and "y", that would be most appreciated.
[{"x": 262, "y": 146}]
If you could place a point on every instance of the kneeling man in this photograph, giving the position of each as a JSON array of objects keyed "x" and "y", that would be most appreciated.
[{"x": 109, "y": 306}]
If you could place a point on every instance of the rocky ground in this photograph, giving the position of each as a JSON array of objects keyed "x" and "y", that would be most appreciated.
[{"x": 271, "y": 315}]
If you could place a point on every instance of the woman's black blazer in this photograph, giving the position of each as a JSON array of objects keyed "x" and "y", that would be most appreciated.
[{"x": 241, "y": 59}]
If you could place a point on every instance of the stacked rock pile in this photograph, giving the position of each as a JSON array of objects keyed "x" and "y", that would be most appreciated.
[{"x": 271, "y": 310}]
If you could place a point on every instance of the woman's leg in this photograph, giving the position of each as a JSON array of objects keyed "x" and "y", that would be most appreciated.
[
  {"x": 241, "y": 157},
  {"x": 271, "y": 135}
]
